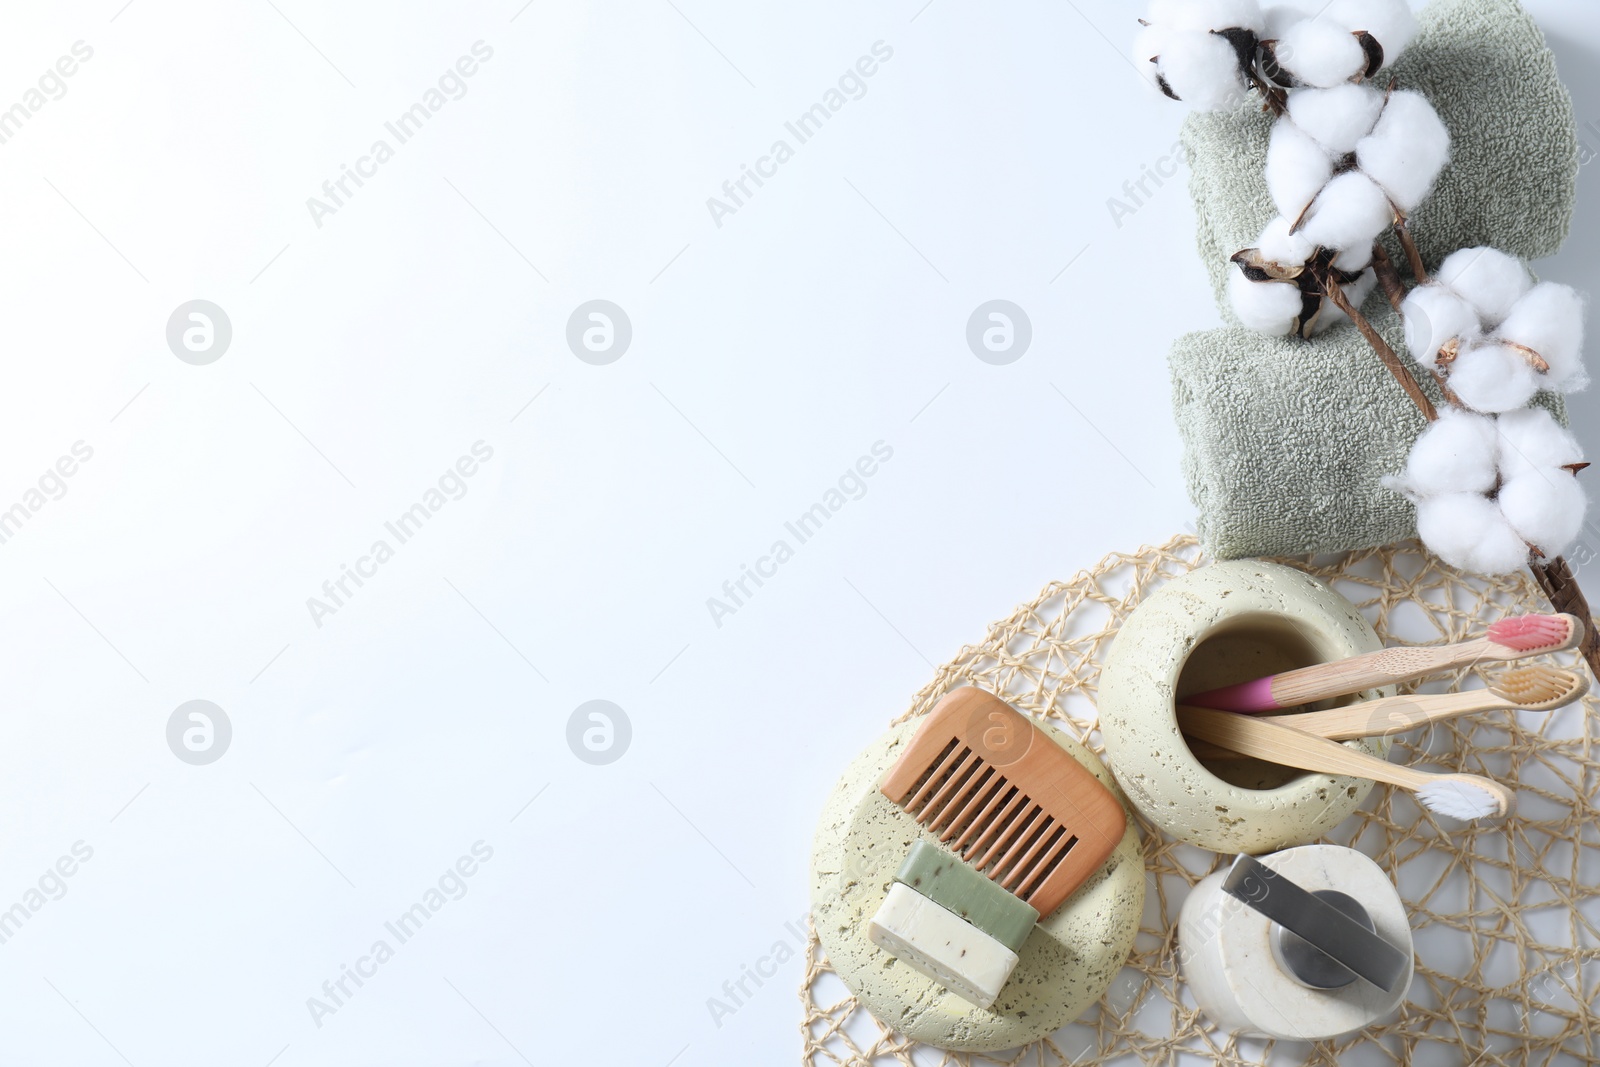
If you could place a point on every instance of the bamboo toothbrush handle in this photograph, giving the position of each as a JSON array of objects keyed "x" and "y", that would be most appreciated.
[
  {"x": 1384, "y": 667},
  {"x": 1388, "y": 716},
  {"x": 1253, "y": 736}
]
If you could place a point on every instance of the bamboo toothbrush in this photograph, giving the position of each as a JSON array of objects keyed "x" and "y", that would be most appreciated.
[
  {"x": 1461, "y": 796},
  {"x": 1508, "y": 639},
  {"x": 1537, "y": 688}
]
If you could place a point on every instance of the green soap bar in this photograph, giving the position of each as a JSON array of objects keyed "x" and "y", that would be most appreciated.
[{"x": 944, "y": 879}]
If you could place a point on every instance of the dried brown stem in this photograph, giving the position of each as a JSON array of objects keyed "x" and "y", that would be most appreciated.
[
  {"x": 1555, "y": 577},
  {"x": 1334, "y": 293},
  {"x": 1273, "y": 98},
  {"x": 1449, "y": 394},
  {"x": 1402, "y": 229},
  {"x": 1394, "y": 290}
]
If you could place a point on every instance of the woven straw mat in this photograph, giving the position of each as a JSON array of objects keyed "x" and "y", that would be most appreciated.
[{"x": 1505, "y": 915}]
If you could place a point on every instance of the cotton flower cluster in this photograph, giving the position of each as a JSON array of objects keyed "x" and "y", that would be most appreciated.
[
  {"x": 1345, "y": 161},
  {"x": 1489, "y": 486},
  {"x": 1202, "y": 52},
  {"x": 1343, "y": 164},
  {"x": 1321, "y": 45},
  {"x": 1494, "y": 477},
  {"x": 1495, "y": 336},
  {"x": 1278, "y": 286},
  {"x": 1210, "y": 53}
]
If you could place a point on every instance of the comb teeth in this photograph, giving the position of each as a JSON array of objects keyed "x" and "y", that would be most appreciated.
[
  {"x": 988, "y": 821},
  {"x": 1539, "y": 687},
  {"x": 1526, "y": 633}
]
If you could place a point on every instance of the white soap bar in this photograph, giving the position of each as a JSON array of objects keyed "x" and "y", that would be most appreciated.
[{"x": 942, "y": 945}]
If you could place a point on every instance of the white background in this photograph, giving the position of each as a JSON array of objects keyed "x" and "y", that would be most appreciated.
[{"x": 428, "y": 313}]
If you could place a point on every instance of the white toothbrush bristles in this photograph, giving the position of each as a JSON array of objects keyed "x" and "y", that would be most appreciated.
[{"x": 1458, "y": 799}]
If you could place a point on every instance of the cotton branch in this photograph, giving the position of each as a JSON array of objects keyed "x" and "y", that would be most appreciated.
[
  {"x": 1554, "y": 576},
  {"x": 1332, "y": 290}
]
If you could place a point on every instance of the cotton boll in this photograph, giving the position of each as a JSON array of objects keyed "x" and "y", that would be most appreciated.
[
  {"x": 1549, "y": 320},
  {"x": 1266, "y": 307},
  {"x": 1351, "y": 211},
  {"x": 1406, "y": 150},
  {"x": 1202, "y": 70},
  {"x": 1390, "y": 22},
  {"x": 1468, "y": 531},
  {"x": 1320, "y": 54},
  {"x": 1493, "y": 378},
  {"x": 1336, "y": 118},
  {"x": 1529, "y": 440},
  {"x": 1147, "y": 47},
  {"x": 1277, "y": 244},
  {"x": 1491, "y": 281},
  {"x": 1297, "y": 169},
  {"x": 1205, "y": 15},
  {"x": 1356, "y": 292},
  {"x": 1434, "y": 315},
  {"x": 1545, "y": 507},
  {"x": 1455, "y": 454},
  {"x": 1284, "y": 14},
  {"x": 1354, "y": 259}
]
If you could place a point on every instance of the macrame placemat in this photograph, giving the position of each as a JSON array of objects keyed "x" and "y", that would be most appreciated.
[{"x": 1506, "y": 917}]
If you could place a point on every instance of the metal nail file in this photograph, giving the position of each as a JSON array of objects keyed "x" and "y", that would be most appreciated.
[{"x": 1321, "y": 925}]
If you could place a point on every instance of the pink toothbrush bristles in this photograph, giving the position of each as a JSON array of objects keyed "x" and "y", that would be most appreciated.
[{"x": 1525, "y": 632}]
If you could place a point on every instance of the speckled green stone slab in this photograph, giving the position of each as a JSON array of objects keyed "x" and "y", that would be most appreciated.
[
  {"x": 943, "y": 878},
  {"x": 1064, "y": 966}
]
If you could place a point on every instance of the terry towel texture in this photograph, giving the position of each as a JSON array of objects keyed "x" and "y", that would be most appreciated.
[{"x": 1285, "y": 441}]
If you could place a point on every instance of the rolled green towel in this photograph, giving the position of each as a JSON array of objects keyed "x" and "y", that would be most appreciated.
[{"x": 1285, "y": 441}]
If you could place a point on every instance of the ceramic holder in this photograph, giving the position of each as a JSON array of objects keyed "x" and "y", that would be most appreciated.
[
  {"x": 1232, "y": 956},
  {"x": 1225, "y": 623}
]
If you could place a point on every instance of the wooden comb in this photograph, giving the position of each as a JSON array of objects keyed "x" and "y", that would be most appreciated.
[{"x": 1006, "y": 798}]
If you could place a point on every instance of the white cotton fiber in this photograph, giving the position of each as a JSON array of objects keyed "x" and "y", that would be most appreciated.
[
  {"x": 1545, "y": 507},
  {"x": 1549, "y": 320},
  {"x": 1490, "y": 280},
  {"x": 1319, "y": 53},
  {"x": 1297, "y": 169},
  {"x": 1356, "y": 292},
  {"x": 1266, "y": 307},
  {"x": 1351, "y": 211},
  {"x": 1354, "y": 259},
  {"x": 1336, "y": 118},
  {"x": 1530, "y": 440},
  {"x": 1492, "y": 378},
  {"x": 1433, "y": 315},
  {"x": 1389, "y": 21},
  {"x": 1206, "y": 15},
  {"x": 1202, "y": 70},
  {"x": 1280, "y": 246},
  {"x": 1467, "y": 530},
  {"x": 1455, "y": 454},
  {"x": 1406, "y": 150},
  {"x": 1146, "y": 51},
  {"x": 1285, "y": 13}
]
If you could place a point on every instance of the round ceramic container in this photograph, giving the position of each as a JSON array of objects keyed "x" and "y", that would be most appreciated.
[
  {"x": 1225, "y": 951},
  {"x": 1065, "y": 966},
  {"x": 1226, "y": 623}
]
